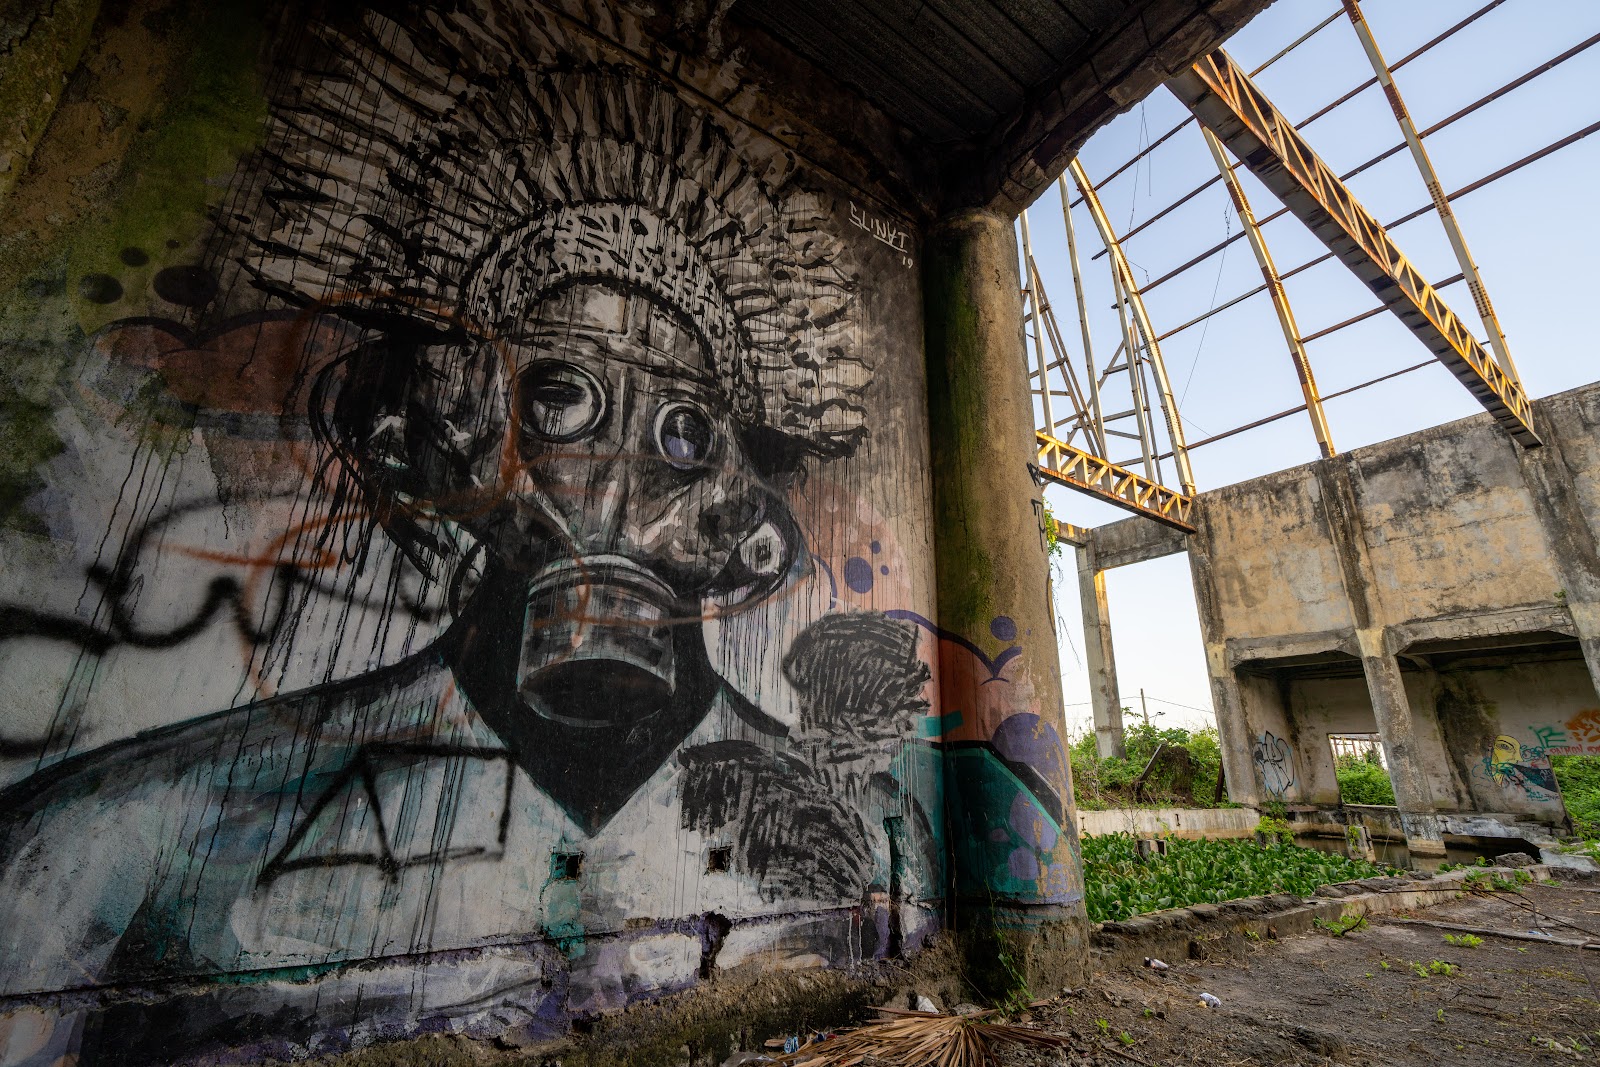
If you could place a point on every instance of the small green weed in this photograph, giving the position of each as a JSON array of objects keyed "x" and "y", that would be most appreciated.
[
  {"x": 1105, "y": 1027},
  {"x": 1125, "y": 1037},
  {"x": 1344, "y": 924},
  {"x": 1556, "y": 1044},
  {"x": 1464, "y": 940},
  {"x": 1434, "y": 968}
]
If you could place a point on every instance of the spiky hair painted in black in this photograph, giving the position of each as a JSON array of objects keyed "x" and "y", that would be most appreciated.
[{"x": 473, "y": 158}]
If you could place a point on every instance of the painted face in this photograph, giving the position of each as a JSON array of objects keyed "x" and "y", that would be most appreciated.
[{"x": 629, "y": 503}]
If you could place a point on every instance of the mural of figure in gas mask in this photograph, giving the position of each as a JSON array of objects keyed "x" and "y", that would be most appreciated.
[{"x": 591, "y": 345}]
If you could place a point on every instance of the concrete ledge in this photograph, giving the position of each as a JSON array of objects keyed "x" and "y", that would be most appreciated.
[
  {"x": 1178, "y": 822},
  {"x": 1210, "y": 931}
]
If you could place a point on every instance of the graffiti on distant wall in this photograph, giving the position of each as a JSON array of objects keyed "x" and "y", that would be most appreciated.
[
  {"x": 1525, "y": 765},
  {"x": 1274, "y": 762},
  {"x": 456, "y": 571}
]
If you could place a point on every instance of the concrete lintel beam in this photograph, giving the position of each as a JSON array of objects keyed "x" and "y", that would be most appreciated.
[
  {"x": 1263, "y": 651},
  {"x": 1135, "y": 540}
]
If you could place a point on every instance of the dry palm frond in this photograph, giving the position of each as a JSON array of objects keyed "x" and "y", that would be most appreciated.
[{"x": 921, "y": 1039}]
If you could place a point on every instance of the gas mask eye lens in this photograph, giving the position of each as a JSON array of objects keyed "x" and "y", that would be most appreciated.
[
  {"x": 764, "y": 553},
  {"x": 683, "y": 435},
  {"x": 561, "y": 401}
]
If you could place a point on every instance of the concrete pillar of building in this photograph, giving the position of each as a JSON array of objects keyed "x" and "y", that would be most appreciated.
[
  {"x": 1103, "y": 694},
  {"x": 1017, "y": 887},
  {"x": 1571, "y": 540},
  {"x": 1385, "y": 688},
  {"x": 1233, "y": 723},
  {"x": 1401, "y": 747}
]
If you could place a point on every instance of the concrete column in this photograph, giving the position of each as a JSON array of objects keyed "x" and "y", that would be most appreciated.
[
  {"x": 1103, "y": 695},
  {"x": 1385, "y": 687},
  {"x": 1570, "y": 538},
  {"x": 1397, "y": 729},
  {"x": 1017, "y": 893},
  {"x": 1233, "y": 724}
]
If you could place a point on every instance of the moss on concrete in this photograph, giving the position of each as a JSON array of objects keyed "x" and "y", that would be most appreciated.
[
  {"x": 954, "y": 342},
  {"x": 166, "y": 99},
  {"x": 161, "y": 100},
  {"x": 179, "y": 166},
  {"x": 27, "y": 440},
  {"x": 40, "y": 42}
]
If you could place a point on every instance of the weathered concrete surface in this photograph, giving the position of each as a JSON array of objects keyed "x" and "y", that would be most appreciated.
[
  {"x": 1174, "y": 822},
  {"x": 1213, "y": 931},
  {"x": 990, "y": 103},
  {"x": 1439, "y": 589},
  {"x": 1098, "y": 652},
  {"x": 993, "y": 592}
]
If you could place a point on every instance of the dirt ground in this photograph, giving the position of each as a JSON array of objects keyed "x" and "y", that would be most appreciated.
[{"x": 1358, "y": 999}]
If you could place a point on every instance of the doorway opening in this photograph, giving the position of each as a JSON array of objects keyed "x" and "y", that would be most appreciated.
[{"x": 1359, "y": 765}]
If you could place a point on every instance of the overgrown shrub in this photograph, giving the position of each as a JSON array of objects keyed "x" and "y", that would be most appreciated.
[
  {"x": 1117, "y": 883},
  {"x": 1362, "y": 780},
  {"x": 1185, "y": 772},
  {"x": 1579, "y": 780}
]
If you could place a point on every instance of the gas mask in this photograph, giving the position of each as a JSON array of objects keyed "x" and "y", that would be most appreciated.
[{"x": 591, "y": 448}]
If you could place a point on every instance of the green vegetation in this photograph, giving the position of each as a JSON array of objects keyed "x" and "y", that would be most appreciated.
[
  {"x": 1434, "y": 968},
  {"x": 1579, "y": 780},
  {"x": 1118, "y": 884},
  {"x": 1276, "y": 828},
  {"x": 1344, "y": 924},
  {"x": 1052, "y": 533},
  {"x": 1489, "y": 882},
  {"x": 1464, "y": 940},
  {"x": 1184, "y": 774},
  {"x": 1362, "y": 780}
]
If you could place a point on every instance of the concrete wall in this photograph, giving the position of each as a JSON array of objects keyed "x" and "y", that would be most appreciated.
[
  {"x": 1438, "y": 588},
  {"x": 1214, "y": 823},
  {"x": 465, "y": 560}
]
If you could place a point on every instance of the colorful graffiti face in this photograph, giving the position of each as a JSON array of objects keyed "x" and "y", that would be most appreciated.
[
  {"x": 421, "y": 573},
  {"x": 1523, "y": 767}
]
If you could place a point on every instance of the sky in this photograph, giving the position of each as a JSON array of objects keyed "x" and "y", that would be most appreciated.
[{"x": 1533, "y": 235}]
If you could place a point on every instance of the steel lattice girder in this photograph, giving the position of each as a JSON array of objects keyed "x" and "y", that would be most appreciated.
[
  {"x": 1076, "y": 469},
  {"x": 1223, "y": 98}
]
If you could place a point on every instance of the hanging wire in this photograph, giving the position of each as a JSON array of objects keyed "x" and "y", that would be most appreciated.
[{"x": 1227, "y": 229}]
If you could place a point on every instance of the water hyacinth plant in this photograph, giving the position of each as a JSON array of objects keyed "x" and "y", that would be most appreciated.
[{"x": 1118, "y": 884}]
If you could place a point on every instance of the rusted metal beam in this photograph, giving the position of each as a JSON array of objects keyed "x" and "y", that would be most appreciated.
[
  {"x": 1074, "y": 468},
  {"x": 1302, "y": 124},
  {"x": 1430, "y": 178},
  {"x": 1225, "y": 100},
  {"x": 1280, "y": 297},
  {"x": 1122, "y": 274}
]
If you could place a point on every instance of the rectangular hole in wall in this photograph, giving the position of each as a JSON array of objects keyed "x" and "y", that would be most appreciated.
[
  {"x": 566, "y": 866},
  {"x": 719, "y": 860},
  {"x": 1359, "y": 766}
]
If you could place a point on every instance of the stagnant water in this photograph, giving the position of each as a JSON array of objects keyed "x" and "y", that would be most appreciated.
[{"x": 1395, "y": 853}]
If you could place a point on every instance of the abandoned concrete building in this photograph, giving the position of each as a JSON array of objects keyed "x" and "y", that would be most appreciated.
[{"x": 516, "y": 510}]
